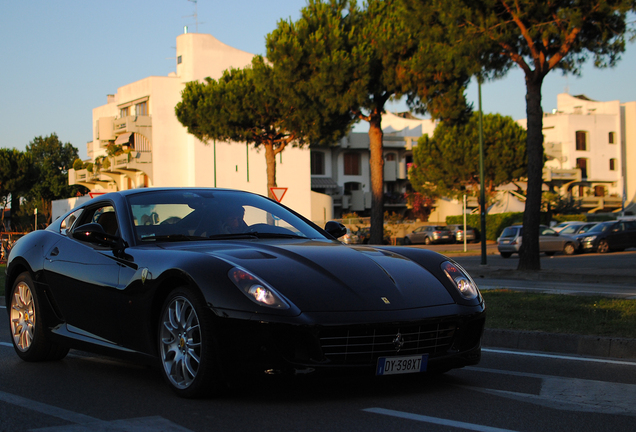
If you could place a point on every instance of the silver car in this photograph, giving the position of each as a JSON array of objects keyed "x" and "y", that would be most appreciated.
[
  {"x": 429, "y": 235},
  {"x": 550, "y": 241}
]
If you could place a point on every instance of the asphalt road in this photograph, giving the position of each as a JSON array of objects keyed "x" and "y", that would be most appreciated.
[
  {"x": 507, "y": 391},
  {"x": 510, "y": 390}
]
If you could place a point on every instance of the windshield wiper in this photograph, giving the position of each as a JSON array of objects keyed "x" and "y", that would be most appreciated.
[
  {"x": 171, "y": 237},
  {"x": 275, "y": 235},
  {"x": 233, "y": 236}
]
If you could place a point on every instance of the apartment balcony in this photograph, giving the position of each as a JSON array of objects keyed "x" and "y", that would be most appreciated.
[
  {"x": 594, "y": 204},
  {"x": 129, "y": 164},
  {"x": 86, "y": 178},
  {"x": 133, "y": 124},
  {"x": 561, "y": 175}
]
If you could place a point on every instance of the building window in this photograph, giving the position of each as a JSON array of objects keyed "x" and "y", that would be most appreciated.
[
  {"x": 612, "y": 138},
  {"x": 389, "y": 157},
  {"x": 124, "y": 112},
  {"x": 141, "y": 109},
  {"x": 599, "y": 191},
  {"x": 612, "y": 164},
  {"x": 581, "y": 140},
  {"x": 317, "y": 163},
  {"x": 352, "y": 163},
  {"x": 179, "y": 60},
  {"x": 581, "y": 163}
]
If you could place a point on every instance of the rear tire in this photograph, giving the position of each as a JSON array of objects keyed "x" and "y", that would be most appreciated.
[
  {"x": 29, "y": 337},
  {"x": 407, "y": 241},
  {"x": 427, "y": 241},
  {"x": 188, "y": 350},
  {"x": 505, "y": 254},
  {"x": 569, "y": 249}
]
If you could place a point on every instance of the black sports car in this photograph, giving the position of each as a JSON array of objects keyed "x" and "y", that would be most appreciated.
[{"x": 208, "y": 283}]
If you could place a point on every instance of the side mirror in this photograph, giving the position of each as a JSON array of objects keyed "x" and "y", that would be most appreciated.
[
  {"x": 94, "y": 233},
  {"x": 336, "y": 229}
]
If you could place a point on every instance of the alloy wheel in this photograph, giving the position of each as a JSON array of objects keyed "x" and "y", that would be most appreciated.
[
  {"x": 22, "y": 317},
  {"x": 180, "y": 342}
]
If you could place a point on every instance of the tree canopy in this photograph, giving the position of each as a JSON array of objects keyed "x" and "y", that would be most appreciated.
[
  {"x": 447, "y": 164},
  {"x": 17, "y": 176},
  {"x": 353, "y": 60},
  {"x": 537, "y": 36},
  {"x": 51, "y": 159},
  {"x": 252, "y": 105}
]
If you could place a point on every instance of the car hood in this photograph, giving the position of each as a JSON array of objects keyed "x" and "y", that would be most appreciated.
[{"x": 327, "y": 276}]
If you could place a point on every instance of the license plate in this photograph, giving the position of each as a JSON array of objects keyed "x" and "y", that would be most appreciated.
[{"x": 401, "y": 365}]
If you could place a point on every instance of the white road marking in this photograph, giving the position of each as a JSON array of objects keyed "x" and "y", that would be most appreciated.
[
  {"x": 561, "y": 357},
  {"x": 435, "y": 420},
  {"x": 572, "y": 394},
  {"x": 84, "y": 423},
  {"x": 43, "y": 408}
]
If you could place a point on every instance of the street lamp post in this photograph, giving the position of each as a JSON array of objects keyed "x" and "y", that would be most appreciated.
[{"x": 482, "y": 195}]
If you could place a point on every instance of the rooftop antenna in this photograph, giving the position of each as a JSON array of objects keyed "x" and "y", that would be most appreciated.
[{"x": 195, "y": 15}]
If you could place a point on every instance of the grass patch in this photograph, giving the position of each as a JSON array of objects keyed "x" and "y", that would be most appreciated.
[{"x": 558, "y": 313}]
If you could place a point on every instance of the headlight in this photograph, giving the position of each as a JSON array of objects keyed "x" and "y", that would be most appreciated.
[
  {"x": 589, "y": 239},
  {"x": 460, "y": 279},
  {"x": 257, "y": 290}
]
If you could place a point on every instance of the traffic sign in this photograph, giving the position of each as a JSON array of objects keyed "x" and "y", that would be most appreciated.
[{"x": 278, "y": 192}]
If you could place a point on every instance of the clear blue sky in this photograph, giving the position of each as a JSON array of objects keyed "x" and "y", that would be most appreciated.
[{"x": 61, "y": 58}]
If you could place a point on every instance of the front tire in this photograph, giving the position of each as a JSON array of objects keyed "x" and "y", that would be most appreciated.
[
  {"x": 603, "y": 247},
  {"x": 187, "y": 348},
  {"x": 569, "y": 249},
  {"x": 27, "y": 329}
]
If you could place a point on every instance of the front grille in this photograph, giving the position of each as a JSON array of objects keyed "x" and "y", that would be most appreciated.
[{"x": 358, "y": 345}]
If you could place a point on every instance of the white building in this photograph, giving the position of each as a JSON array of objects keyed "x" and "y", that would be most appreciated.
[
  {"x": 589, "y": 147},
  {"x": 343, "y": 171},
  {"x": 158, "y": 151}
]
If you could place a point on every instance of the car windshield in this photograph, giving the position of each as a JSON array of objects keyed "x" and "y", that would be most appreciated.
[
  {"x": 181, "y": 215},
  {"x": 600, "y": 227},
  {"x": 570, "y": 229},
  {"x": 510, "y": 232}
]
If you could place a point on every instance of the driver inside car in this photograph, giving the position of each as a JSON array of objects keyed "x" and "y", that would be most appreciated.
[{"x": 233, "y": 220}]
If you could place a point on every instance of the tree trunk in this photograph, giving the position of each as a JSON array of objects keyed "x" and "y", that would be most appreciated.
[
  {"x": 270, "y": 159},
  {"x": 377, "y": 178},
  {"x": 529, "y": 253}
]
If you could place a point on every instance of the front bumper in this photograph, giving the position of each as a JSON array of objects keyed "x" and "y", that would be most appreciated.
[{"x": 449, "y": 342}]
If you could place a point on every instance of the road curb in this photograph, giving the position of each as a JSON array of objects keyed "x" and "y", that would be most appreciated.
[{"x": 595, "y": 346}]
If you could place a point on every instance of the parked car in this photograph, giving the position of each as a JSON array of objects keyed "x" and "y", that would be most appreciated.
[
  {"x": 233, "y": 284},
  {"x": 472, "y": 234},
  {"x": 364, "y": 234},
  {"x": 550, "y": 241},
  {"x": 609, "y": 236},
  {"x": 578, "y": 228},
  {"x": 349, "y": 238},
  {"x": 558, "y": 227},
  {"x": 430, "y": 234}
]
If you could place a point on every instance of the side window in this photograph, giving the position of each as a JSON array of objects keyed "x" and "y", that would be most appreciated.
[
  {"x": 103, "y": 215},
  {"x": 69, "y": 221}
]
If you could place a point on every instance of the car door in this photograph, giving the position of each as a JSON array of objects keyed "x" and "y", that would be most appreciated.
[
  {"x": 84, "y": 281},
  {"x": 418, "y": 235},
  {"x": 631, "y": 233},
  {"x": 549, "y": 240}
]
